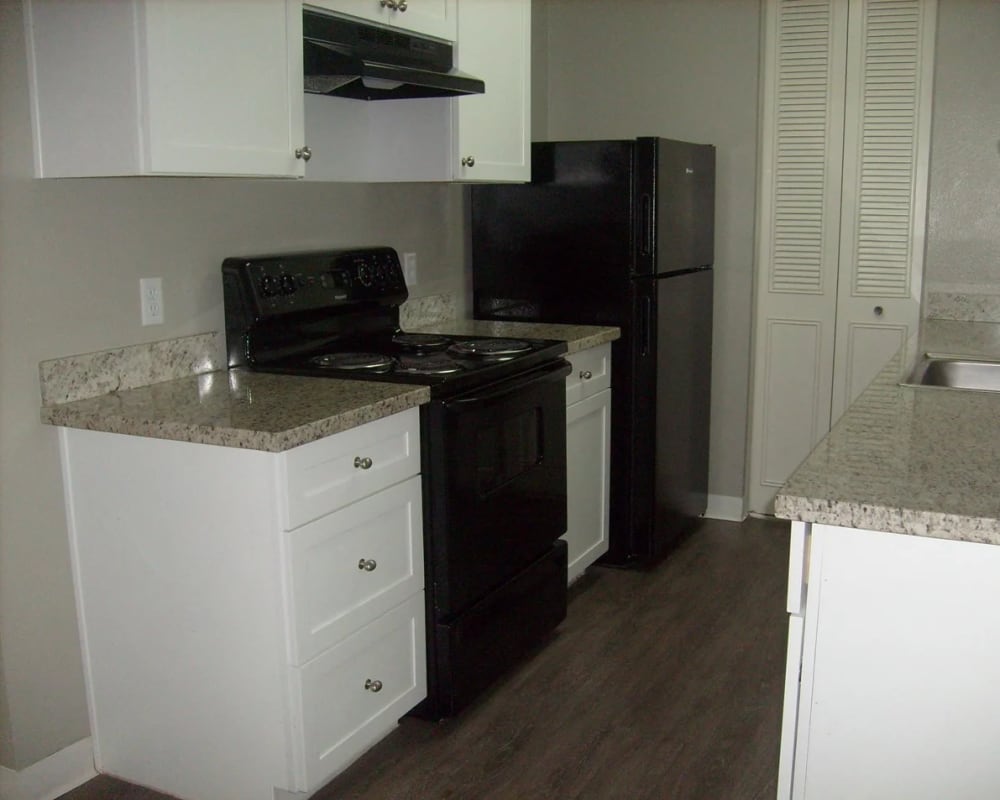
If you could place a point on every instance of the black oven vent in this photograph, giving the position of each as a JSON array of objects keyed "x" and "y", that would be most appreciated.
[{"x": 348, "y": 58}]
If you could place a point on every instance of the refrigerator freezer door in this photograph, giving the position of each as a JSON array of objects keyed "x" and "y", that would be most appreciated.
[{"x": 675, "y": 205}]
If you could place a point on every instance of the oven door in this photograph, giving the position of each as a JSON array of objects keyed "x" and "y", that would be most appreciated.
[{"x": 495, "y": 484}]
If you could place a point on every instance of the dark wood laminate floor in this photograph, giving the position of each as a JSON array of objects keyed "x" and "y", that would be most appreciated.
[{"x": 661, "y": 685}]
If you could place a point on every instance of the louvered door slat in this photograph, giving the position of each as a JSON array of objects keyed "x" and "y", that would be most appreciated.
[
  {"x": 886, "y": 155},
  {"x": 801, "y": 136}
]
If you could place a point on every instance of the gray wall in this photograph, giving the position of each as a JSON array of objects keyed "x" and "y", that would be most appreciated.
[
  {"x": 71, "y": 254},
  {"x": 683, "y": 69},
  {"x": 963, "y": 243}
]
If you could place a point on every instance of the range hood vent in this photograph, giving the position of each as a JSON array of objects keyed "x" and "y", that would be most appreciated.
[{"x": 346, "y": 58}]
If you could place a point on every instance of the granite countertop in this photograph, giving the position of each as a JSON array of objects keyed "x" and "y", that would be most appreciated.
[
  {"x": 577, "y": 337},
  {"x": 923, "y": 461},
  {"x": 123, "y": 392}
]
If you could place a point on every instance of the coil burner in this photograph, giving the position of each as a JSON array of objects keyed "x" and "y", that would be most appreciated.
[
  {"x": 360, "y": 362},
  {"x": 420, "y": 342},
  {"x": 490, "y": 348}
]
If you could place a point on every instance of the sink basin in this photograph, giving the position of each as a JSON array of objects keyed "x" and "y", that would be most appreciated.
[{"x": 956, "y": 373}]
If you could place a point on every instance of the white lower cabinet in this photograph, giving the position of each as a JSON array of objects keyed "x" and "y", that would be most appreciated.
[
  {"x": 588, "y": 443},
  {"x": 892, "y": 665},
  {"x": 232, "y": 650},
  {"x": 348, "y": 694}
]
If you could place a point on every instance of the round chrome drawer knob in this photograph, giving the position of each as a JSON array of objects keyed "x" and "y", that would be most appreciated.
[
  {"x": 304, "y": 153},
  {"x": 373, "y": 686},
  {"x": 367, "y": 564},
  {"x": 469, "y": 161},
  {"x": 878, "y": 311},
  {"x": 362, "y": 463},
  {"x": 586, "y": 375}
]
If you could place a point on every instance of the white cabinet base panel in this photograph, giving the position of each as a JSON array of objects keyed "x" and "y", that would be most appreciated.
[{"x": 900, "y": 658}]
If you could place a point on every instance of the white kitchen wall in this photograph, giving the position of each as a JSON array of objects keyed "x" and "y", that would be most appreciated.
[
  {"x": 683, "y": 69},
  {"x": 71, "y": 254},
  {"x": 963, "y": 244}
]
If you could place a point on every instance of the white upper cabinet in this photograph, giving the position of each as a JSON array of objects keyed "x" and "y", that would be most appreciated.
[
  {"x": 493, "y": 131},
  {"x": 484, "y": 138},
  {"x": 187, "y": 87},
  {"x": 429, "y": 17},
  {"x": 165, "y": 87}
]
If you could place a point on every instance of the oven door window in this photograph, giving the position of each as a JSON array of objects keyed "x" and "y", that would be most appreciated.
[{"x": 497, "y": 485}]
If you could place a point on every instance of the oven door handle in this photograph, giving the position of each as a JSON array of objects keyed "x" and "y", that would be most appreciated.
[{"x": 556, "y": 370}]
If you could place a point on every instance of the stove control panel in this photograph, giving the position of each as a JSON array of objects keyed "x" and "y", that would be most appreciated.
[{"x": 275, "y": 285}]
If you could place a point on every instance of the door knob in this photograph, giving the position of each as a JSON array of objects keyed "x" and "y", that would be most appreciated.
[
  {"x": 878, "y": 311},
  {"x": 304, "y": 153},
  {"x": 468, "y": 161},
  {"x": 362, "y": 463}
]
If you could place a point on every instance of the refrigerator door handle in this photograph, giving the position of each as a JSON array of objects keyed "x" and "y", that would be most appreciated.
[
  {"x": 646, "y": 215},
  {"x": 645, "y": 325}
]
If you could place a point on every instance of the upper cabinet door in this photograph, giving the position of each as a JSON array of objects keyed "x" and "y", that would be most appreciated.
[
  {"x": 493, "y": 130},
  {"x": 430, "y": 17},
  {"x": 166, "y": 87},
  {"x": 221, "y": 102}
]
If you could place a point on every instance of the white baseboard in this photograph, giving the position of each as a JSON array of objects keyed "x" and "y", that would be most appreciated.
[
  {"x": 721, "y": 506},
  {"x": 52, "y": 776}
]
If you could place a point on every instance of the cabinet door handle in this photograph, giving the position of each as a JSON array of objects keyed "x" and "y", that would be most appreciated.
[
  {"x": 401, "y": 5},
  {"x": 362, "y": 463},
  {"x": 367, "y": 564},
  {"x": 586, "y": 374},
  {"x": 878, "y": 311},
  {"x": 304, "y": 153},
  {"x": 468, "y": 161},
  {"x": 373, "y": 686}
]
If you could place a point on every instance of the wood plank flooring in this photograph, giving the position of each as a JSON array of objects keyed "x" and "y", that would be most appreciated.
[{"x": 662, "y": 684}]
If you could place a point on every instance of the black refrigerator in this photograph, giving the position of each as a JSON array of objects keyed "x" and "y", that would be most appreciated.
[{"x": 619, "y": 233}]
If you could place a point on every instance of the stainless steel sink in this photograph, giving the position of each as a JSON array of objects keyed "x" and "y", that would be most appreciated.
[{"x": 956, "y": 373}]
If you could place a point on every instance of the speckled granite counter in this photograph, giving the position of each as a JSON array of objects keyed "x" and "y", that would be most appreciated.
[
  {"x": 916, "y": 460},
  {"x": 251, "y": 410},
  {"x": 577, "y": 337},
  {"x": 237, "y": 408}
]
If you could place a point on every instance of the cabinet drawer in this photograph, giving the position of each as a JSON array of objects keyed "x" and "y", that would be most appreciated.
[
  {"x": 326, "y": 475},
  {"x": 351, "y": 566},
  {"x": 591, "y": 373},
  {"x": 341, "y": 717}
]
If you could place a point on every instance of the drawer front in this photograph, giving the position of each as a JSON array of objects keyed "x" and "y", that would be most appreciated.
[
  {"x": 340, "y": 716},
  {"x": 591, "y": 373},
  {"x": 323, "y": 476},
  {"x": 351, "y": 566}
]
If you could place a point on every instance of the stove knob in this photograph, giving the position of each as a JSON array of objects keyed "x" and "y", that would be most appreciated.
[
  {"x": 288, "y": 284},
  {"x": 269, "y": 286},
  {"x": 365, "y": 274}
]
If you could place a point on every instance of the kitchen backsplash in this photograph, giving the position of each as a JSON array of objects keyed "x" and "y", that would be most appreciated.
[
  {"x": 63, "y": 380},
  {"x": 971, "y": 306},
  {"x": 431, "y": 310}
]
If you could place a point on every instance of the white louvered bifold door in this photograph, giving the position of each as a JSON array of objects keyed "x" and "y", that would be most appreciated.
[
  {"x": 886, "y": 155},
  {"x": 798, "y": 236},
  {"x": 845, "y": 124}
]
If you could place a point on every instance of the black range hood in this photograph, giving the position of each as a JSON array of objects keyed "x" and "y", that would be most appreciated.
[{"x": 348, "y": 58}]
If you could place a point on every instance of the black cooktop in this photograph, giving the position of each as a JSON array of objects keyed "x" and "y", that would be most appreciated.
[{"x": 336, "y": 314}]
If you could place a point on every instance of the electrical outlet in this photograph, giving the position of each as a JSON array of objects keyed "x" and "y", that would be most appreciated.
[
  {"x": 410, "y": 268},
  {"x": 151, "y": 300}
]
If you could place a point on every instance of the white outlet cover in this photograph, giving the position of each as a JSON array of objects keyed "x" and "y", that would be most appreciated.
[{"x": 151, "y": 300}]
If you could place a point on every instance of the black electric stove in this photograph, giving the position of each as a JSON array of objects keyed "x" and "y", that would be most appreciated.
[
  {"x": 492, "y": 447},
  {"x": 336, "y": 314}
]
